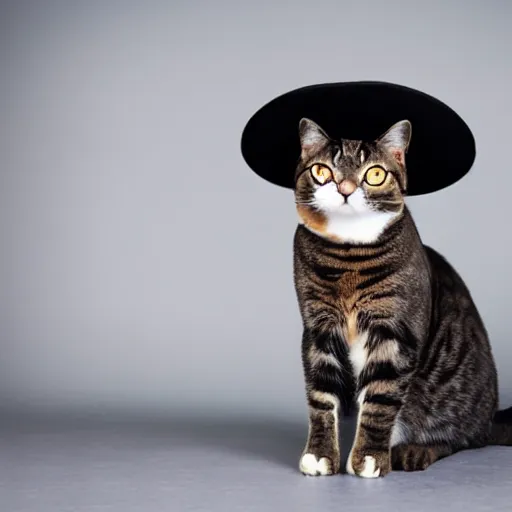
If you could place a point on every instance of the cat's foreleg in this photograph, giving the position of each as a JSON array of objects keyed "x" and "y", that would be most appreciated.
[
  {"x": 382, "y": 385},
  {"x": 325, "y": 376}
]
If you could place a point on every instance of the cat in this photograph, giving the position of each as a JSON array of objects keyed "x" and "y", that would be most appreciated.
[{"x": 388, "y": 324}]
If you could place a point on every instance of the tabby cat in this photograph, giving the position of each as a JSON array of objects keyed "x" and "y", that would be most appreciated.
[{"x": 388, "y": 323}]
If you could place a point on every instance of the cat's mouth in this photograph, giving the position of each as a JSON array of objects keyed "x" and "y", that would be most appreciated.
[
  {"x": 348, "y": 201},
  {"x": 347, "y": 209}
]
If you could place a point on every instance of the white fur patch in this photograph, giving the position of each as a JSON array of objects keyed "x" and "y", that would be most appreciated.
[
  {"x": 354, "y": 221},
  {"x": 370, "y": 469},
  {"x": 364, "y": 229},
  {"x": 310, "y": 465},
  {"x": 327, "y": 198},
  {"x": 359, "y": 354}
]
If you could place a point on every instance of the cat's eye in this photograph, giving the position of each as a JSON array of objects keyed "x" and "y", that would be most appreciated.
[
  {"x": 321, "y": 173},
  {"x": 375, "y": 176}
]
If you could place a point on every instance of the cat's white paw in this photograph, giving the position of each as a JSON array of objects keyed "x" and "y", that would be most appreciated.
[
  {"x": 310, "y": 465},
  {"x": 369, "y": 469}
]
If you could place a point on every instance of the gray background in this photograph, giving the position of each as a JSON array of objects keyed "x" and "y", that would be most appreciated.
[{"x": 145, "y": 270}]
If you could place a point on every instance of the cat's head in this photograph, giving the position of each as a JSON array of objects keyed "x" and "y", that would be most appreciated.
[{"x": 347, "y": 190}]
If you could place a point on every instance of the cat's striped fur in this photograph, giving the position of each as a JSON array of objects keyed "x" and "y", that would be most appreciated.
[{"x": 387, "y": 321}]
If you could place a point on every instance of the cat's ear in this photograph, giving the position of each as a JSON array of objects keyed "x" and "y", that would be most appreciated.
[
  {"x": 312, "y": 137},
  {"x": 396, "y": 140}
]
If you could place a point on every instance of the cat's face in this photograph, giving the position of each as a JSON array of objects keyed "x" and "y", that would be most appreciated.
[{"x": 350, "y": 191}]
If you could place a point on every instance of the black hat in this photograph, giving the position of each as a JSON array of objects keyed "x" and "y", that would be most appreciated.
[{"x": 441, "y": 151}]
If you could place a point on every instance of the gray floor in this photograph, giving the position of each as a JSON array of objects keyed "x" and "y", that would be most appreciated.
[{"x": 211, "y": 465}]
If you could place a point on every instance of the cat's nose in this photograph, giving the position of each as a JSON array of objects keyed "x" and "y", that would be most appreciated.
[{"x": 346, "y": 187}]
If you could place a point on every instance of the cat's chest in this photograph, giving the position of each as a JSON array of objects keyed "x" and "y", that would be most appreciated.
[
  {"x": 357, "y": 313},
  {"x": 356, "y": 340},
  {"x": 357, "y": 228}
]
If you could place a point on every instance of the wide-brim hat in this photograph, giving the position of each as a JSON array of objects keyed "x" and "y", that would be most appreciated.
[{"x": 441, "y": 151}]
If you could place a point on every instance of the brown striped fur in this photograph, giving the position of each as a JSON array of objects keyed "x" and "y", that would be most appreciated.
[{"x": 387, "y": 322}]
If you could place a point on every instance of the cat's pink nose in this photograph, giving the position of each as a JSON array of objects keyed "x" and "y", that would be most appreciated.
[{"x": 347, "y": 187}]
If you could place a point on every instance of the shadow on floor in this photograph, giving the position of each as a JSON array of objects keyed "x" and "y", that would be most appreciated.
[{"x": 275, "y": 440}]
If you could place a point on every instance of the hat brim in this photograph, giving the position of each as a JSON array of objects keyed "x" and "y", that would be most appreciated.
[{"x": 441, "y": 151}]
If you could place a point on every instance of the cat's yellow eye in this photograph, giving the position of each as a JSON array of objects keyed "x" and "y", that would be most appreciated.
[
  {"x": 375, "y": 176},
  {"x": 321, "y": 173}
]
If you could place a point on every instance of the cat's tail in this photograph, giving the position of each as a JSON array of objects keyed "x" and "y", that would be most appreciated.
[{"x": 501, "y": 430}]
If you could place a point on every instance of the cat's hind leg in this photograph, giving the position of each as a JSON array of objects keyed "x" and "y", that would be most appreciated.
[{"x": 417, "y": 457}]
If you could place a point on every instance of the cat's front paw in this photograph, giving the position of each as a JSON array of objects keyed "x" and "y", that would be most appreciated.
[
  {"x": 313, "y": 465},
  {"x": 368, "y": 463}
]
